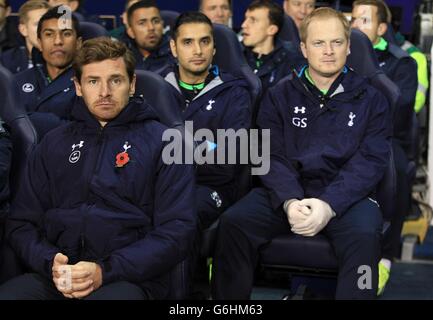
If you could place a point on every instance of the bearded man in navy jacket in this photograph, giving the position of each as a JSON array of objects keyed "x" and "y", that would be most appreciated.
[
  {"x": 330, "y": 145},
  {"x": 99, "y": 214}
]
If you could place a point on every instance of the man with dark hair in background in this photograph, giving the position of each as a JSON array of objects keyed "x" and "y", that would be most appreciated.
[
  {"x": 269, "y": 57},
  {"x": 148, "y": 43},
  {"x": 47, "y": 90}
]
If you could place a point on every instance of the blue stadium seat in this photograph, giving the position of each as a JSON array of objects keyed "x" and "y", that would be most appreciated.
[
  {"x": 89, "y": 30},
  {"x": 155, "y": 90},
  {"x": 229, "y": 57},
  {"x": 289, "y": 31},
  {"x": 169, "y": 18},
  {"x": 363, "y": 60},
  {"x": 390, "y": 35}
]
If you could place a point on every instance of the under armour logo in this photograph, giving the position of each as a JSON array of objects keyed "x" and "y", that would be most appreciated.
[
  {"x": 76, "y": 154},
  {"x": 301, "y": 110},
  {"x": 78, "y": 145},
  {"x": 209, "y": 106},
  {"x": 351, "y": 116},
  {"x": 28, "y": 87},
  {"x": 382, "y": 64}
]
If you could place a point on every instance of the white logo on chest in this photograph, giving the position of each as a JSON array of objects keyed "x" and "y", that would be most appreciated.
[
  {"x": 209, "y": 106},
  {"x": 28, "y": 87},
  {"x": 297, "y": 121},
  {"x": 351, "y": 117},
  {"x": 76, "y": 154},
  {"x": 299, "y": 110}
]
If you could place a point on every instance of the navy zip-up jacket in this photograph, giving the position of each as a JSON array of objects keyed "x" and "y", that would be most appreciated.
[
  {"x": 334, "y": 147},
  {"x": 278, "y": 64},
  {"x": 48, "y": 104},
  {"x": 158, "y": 59},
  {"x": 137, "y": 221},
  {"x": 36, "y": 94},
  {"x": 224, "y": 103},
  {"x": 402, "y": 70}
]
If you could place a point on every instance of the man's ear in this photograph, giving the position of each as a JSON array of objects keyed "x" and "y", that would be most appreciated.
[
  {"x": 22, "y": 28},
  {"x": 74, "y": 4},
  {"x": 77, "y": 87},
  {"x": 348, "y": 48},
  {"x": 381, "y": 30},
  {"x": 272, "y": 30},
  {"x": 124, "y": 18},
  {"x": 130, "y": 32},
  {"x": 173, "y": 48},
  {"x": 285, "y": 4},
  {"x": 304, "y": 50},
  {"x": 79, "y": 43},
  {"x": 132, "y": 85}
]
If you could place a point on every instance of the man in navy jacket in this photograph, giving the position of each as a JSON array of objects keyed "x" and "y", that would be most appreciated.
[
  {"x": 269, "y": 57},
  {"x": 211, "y": 99},
  {"x": 99, "y": 214},
  {"x": 330, "y": 144},
  {"x": 147, "y": 41},
  {"x": 47, "y": 90}
]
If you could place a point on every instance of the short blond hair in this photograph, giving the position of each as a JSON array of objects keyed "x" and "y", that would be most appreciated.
[
  {"x": 30, "y": 6},
  {"x": 323, "y": 13}
]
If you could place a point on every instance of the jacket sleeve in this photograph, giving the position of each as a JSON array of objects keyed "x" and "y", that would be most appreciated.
[
  {"x": 171, "y": 238},
  {"x": 24, "y": 224},
  {"x": 364, "y": 170},
  {"x": 282, "y": 181},
  {"x": 5, "y": 165},
  {"x": 406, "y": 78}
]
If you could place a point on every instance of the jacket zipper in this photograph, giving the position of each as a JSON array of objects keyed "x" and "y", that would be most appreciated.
[{"x": 99, "y": 142}]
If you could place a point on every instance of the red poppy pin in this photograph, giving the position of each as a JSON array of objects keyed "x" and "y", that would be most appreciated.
[{"x": 122, "y": 158}]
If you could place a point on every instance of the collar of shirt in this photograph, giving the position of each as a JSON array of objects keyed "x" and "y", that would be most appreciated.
[{"x": 381, "y": 45}]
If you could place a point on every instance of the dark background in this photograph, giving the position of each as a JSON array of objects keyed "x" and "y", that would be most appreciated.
[{"x": 404, "y": 9}]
